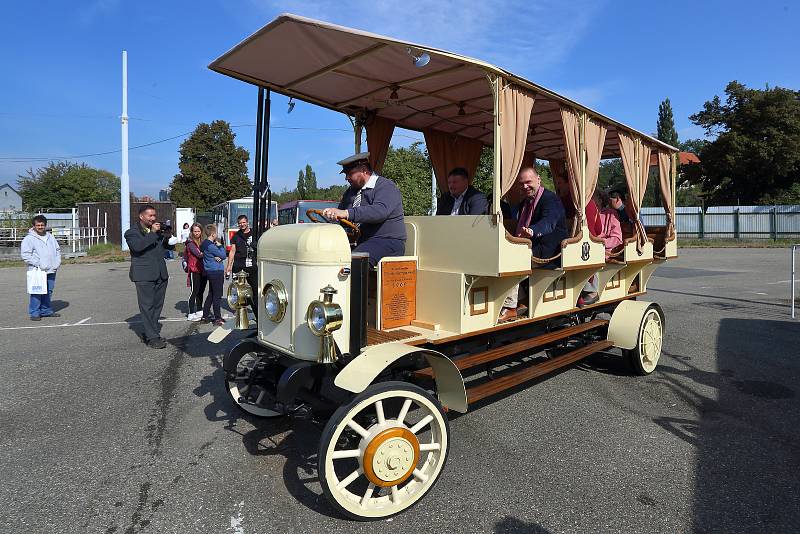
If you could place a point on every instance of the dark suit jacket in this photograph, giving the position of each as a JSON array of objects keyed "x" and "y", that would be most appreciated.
[
  {"x": 380, "y": 214},
  {"x": 147, "y": 254},
  {"x": 473, "y": 203},
  {"x": 549, "y": 225}
]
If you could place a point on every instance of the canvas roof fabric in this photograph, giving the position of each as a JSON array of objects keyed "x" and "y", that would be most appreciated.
[{"x": 357, "y": 72}]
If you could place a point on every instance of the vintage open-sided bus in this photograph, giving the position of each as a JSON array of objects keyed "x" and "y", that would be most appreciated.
[
  {"x": 296, "y": 211},
  {"x": 225, "y": 214},
  {"x": 379, "y": 356}
]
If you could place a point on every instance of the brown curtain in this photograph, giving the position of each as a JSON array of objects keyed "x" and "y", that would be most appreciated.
[
  {"x": 636, "y": 162},
  {"x": 379, "y": 135},
  {"x": 528, "y": 160},
  {"x": 448, "y": 151},
  {"x": 595, "y": 140},
  {"x": 515, "y": 118},
  {"x": 665, "y": 181},
  {"x": 572, "y": 143}
]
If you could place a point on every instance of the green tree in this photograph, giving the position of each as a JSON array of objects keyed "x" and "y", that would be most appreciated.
[
  {"x": 665, "y": 127},
  {"x": 755, "y": 156},
  {"x": 212, "y": 168},
  {"x": 64, "y": 184},
  {"x": 410, "y": 169},
  {"x": 307, "y": 184}
]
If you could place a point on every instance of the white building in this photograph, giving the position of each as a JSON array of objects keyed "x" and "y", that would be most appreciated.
[{"x": 9, "y": 199}]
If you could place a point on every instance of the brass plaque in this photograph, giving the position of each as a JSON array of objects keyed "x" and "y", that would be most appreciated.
[{"x": 398, "y": 293}]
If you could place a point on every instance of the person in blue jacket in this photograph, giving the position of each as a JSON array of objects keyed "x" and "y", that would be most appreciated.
[
  {"x": 214, "y": 272},
  {"x": 374, "y": 203}
]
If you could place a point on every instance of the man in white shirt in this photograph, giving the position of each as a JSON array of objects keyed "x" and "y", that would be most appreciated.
[{"x": 461, "y": 198}]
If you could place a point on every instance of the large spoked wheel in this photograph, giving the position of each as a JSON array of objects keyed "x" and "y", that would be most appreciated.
[
  {"x": 383, "y": 451},
  {"x": 644, "y": 357},
  {"x": 246, "y": 389}
]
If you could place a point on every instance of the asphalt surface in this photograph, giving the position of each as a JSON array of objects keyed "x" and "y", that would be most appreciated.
[{"x": 100, "y": 434}]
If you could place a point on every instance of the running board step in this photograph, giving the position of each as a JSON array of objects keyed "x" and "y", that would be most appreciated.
[
  {"x": 514, "y": 348},
  {"x": 508, "y": 381}
]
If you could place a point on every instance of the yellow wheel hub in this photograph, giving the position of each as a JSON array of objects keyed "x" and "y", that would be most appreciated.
[{"x": 391, "y": 457}]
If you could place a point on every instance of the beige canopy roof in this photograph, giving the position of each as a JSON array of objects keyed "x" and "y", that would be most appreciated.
[{"x": 352, "y": 71}]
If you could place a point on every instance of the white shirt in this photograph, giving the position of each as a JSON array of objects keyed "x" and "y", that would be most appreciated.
[
  {"x": 373, "y": 179},
  {"x": 457, "y": 204}
]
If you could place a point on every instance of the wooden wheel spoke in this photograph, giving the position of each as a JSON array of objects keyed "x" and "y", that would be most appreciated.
[
  {"x": 419, "y": 426},
  {"x": 403, "y": 411},
  {"x": 348, "y": 479},
  {"x": 351, "y": 453}
]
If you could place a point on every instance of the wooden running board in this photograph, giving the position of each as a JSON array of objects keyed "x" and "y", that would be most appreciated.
[
  {"x": 514, "y": 348},
  {"x": 508, "y": 381}
]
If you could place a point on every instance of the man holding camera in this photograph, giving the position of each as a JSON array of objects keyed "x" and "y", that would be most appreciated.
[
  {"x": 148, "y": 243},
  {"x": 242, "y": 257}
]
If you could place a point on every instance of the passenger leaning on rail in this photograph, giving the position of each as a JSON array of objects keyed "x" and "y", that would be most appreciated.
[
  {"x": 373, "y": 203},
  {"x": 542, "y": 220}
]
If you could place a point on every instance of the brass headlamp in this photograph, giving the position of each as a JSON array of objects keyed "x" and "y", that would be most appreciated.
[
  {"x": 238, "y": 294},
  {"x": 324, "y": 317}
]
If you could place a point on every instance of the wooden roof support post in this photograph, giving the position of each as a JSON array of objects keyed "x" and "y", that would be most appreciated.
[
  {"x": 582, "y": 119},
  {"x": 496, "y": 82},
  {"x": 674, "y": 193}
]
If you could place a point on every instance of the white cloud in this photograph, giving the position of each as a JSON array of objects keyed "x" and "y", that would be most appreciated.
[{"x": 526, "y": 37}]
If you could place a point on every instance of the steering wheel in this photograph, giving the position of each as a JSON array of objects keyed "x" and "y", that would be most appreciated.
[{"x": 353, "y": 232}]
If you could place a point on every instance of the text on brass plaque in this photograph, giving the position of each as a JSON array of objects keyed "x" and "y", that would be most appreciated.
[{"x": 398, "y": 293}]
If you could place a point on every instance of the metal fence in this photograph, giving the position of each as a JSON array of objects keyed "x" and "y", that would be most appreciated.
[
  {"x": 74, "y": 239},
  {"x": 730, "y": 222}
]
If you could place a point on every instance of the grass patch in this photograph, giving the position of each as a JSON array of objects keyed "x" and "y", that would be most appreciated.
[{"x": 102, "y": 249}]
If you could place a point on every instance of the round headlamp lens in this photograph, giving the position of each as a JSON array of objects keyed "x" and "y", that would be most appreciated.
[
  {"x": 271, "y": 304},
  {"x": 316, "y": 318}
]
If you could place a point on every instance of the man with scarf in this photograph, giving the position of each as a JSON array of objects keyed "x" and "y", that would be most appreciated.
[{"x": 541, "y": 220}]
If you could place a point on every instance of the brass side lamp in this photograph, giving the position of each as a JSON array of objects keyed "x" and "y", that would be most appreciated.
[
  {"x": 324, "y": 317},
  {"x": 238, "y": 293}
]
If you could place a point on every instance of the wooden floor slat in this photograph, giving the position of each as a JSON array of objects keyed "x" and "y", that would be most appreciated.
[
  {"x": 375, "y": 337},
  {"x": 514, "y": 348},
  {"x": 514, "y": 379}
]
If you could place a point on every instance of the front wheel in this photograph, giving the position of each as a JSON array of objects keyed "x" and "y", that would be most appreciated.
[
  {"x": 247, "y": 388},
  {"x": 383, "y": 451},
  {"x": 644, "y": 357}
]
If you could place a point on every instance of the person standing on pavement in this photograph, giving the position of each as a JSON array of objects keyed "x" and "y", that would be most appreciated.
[
  {"x": 194, "y": 271},
  {"x": 242, "y": 257},
  {"x": 214, "y": 272},
  {"x": 40, "y": 250},
  {"x": 148, "y": 243}
]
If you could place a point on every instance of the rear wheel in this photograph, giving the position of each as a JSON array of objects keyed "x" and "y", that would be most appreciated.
[
  {"x": 383, "y": 451},
  {"x": 644, "y": 357}
]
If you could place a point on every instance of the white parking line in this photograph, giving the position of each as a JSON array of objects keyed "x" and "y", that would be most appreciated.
[
  {"x": 781, "y": 282},
  {"x": 82, "y": 323}
]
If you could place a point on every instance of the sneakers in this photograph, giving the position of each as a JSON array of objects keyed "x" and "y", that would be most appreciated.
[
  {"x": 35, "y": 318},
  {"x": 195, "y": 317},
  {"x": 219, "y": 322}
]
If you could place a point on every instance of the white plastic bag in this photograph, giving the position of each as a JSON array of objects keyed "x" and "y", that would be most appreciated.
[{"x": 37, "y": 282}]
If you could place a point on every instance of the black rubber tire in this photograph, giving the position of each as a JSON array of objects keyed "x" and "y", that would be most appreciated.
[{"x": 235, "y": 401}]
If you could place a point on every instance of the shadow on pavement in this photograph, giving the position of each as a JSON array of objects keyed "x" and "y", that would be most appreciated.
[
  {"x": 512, "y": 525},
  {"x": 745, "y": 430},
  {"x": 296, "y": 440},
  {"x": 59, "y": 305}
]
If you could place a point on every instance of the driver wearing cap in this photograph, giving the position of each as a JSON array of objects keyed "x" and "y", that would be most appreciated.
[{"x": 374, "y": 203}]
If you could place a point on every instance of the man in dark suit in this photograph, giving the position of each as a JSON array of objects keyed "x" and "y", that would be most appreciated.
[
  {"x": 375, "y": 204},
  {"x": 542, "y": 220},
  {"x": 147, "y": 244},
  {"x": 461, "y": 198}
]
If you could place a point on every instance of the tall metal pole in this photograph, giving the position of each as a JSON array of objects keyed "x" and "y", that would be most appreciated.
[
  {"x": 257, "y": 166},
  {"x": 124, "y": 193}
]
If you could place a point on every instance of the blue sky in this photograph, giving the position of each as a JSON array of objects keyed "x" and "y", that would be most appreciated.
[{"x": 61, "y": 77}]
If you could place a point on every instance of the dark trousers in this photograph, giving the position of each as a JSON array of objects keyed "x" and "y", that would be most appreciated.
[
  {"x": 216, "y": 280},
  {"x": 379, "y": 247},
  {"x": 197, "y": 286},
  {"x": 150, "y": 295}
]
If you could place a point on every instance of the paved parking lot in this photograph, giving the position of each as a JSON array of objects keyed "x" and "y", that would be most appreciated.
[{"x": 100, "y": 434}]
